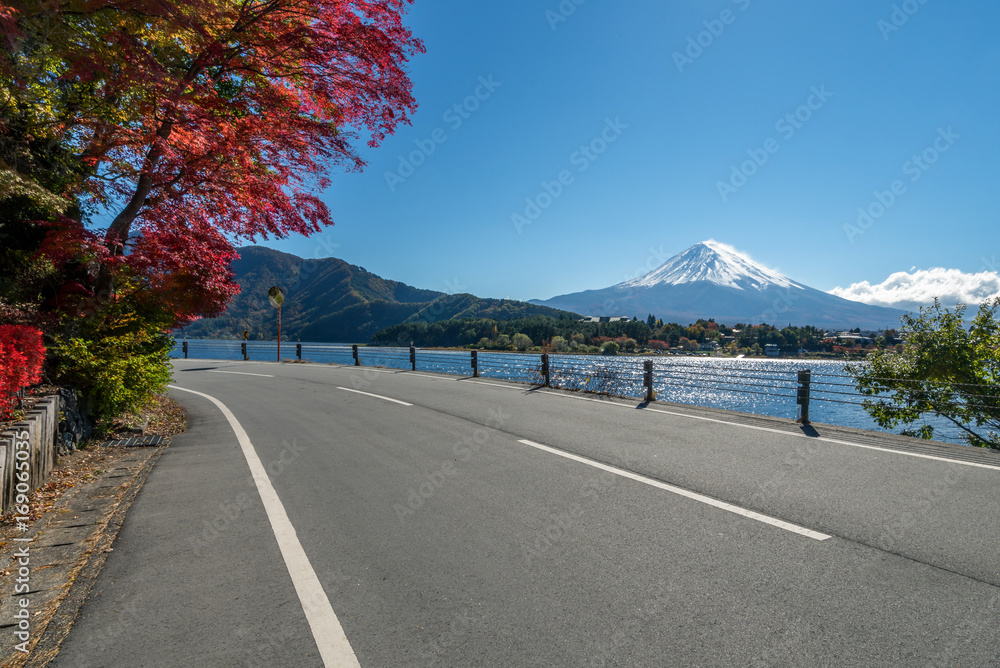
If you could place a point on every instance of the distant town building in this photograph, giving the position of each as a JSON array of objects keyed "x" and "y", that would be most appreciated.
[
  {"x": 851, "y": 338},
  {"x": 771, "y": 350},
  {"x": 606, "y": 318}
]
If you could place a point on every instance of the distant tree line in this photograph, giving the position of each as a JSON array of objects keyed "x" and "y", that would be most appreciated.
[
  {"x": 572, "y": 335},
  {"x": 488, "y": 333}
]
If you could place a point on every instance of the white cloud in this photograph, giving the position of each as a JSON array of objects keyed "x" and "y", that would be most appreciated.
[
  {"x": 718, "y": 245},
  {"x": 919, "y": 287}
]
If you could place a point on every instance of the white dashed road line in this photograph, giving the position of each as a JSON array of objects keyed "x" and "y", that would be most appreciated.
[
  {"x": 377, "y": 396},
  {"x": 240, "y": 373},
  {"x": 722, "y": 505}
]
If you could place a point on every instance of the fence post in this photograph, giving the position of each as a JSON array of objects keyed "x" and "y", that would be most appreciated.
[
  {"x": 185, "y": 346},
  {"x": 243, "y": 349},
  {"x": 475, "y": 364},
  {"x": 298, "y": 351},
  {"x": 413, "y": 358},
  {"x": 545, "y": 368},
  {"x": 354, "y": 352},
  {"x": 647, "y": 380},
  {"x": 805, "y": 378}
]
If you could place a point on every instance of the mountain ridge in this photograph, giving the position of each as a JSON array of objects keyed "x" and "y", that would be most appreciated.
[{"x": 330, "y": 300}]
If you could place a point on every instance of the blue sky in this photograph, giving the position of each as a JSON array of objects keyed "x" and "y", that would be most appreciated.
[{"x": 820, "y": 108}]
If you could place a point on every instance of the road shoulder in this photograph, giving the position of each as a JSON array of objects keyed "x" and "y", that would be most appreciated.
[{"x": 67, "y": 547}]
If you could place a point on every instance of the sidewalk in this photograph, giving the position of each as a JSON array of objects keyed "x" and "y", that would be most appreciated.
[{"x": 63, "y": 552}]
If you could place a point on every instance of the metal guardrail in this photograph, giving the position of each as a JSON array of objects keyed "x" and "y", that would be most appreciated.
[
  {"x": 614, "y": 376},
  {"x": 608, "y": 375}
]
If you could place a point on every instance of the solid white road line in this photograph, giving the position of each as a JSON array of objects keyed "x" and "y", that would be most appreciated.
[
  {"x": 369, "y": 368},
  {"x": 451, "y": 378},
  {"x": 377, "y": 396},
  {"x": 683, "y": 415},
  {"x": 240, "y": 373},
  {"x": 333, "y": 645},
  {"x": 722, "y": 505},
  {"x": 784, "y": 433}
]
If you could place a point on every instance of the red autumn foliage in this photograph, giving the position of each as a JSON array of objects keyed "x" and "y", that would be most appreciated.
[
  {"x": 21, "y": 358},
  {"x": 203, "y": 123},
  {"x": 183, "y": 270},
  {"x": 76, "y": 253},
  {"x": 656, "y": 344},
  {"x": 187, "y": 266}
]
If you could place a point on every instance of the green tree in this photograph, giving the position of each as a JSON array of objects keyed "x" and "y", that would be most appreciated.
[
  {"x": 688, "y": 344},
  {"x": 521, "y": 341},
  {"x": 610, "y": 348},
  {"x": 943, "y": 368}
]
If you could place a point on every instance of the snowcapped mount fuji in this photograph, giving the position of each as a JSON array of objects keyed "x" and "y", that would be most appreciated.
[
  {"x": 716, "y": 263},
  {"x": 713, "y": 280}
]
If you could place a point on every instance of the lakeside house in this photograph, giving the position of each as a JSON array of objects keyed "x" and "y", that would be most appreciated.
[
  {"x": 852, "y": 338},
  {"x": 605, "y": 318}
]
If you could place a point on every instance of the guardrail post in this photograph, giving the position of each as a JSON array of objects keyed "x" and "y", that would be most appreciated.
[
  {"x": 185, "y": 346},
  {"x": 354, "y": 352},
  {"x": 545, "y": 368},
  {"x": 243, "y": 349},
  {"x": 475, "y": 364},
  {"x": 805, "y": 378},
  {"x": 413, "y": 358},
  {"x": 647, "y": 380},
  {"x": 298, "y": 351}
]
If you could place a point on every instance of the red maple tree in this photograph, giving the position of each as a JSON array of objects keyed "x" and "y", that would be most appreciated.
[
  {"x": 200, "y": 123},
  {"x": 21, "y": 357}
]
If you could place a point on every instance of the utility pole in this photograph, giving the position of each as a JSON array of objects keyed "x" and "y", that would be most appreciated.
[{"x": 277, "y": 299}]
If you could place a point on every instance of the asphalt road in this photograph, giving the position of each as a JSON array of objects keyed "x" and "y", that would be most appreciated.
[{"x": 458, "y": 523}]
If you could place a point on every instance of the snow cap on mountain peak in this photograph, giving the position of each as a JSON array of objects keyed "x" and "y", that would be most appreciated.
[{"x": 714, "y": 262}]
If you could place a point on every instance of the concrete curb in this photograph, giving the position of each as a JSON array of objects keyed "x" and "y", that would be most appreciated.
[{"x": 35, "y": 435}]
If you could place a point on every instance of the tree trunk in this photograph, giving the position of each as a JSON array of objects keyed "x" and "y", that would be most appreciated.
[{"x": 117, "y": 234}]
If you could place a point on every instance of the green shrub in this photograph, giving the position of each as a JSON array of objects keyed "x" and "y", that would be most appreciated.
[{"x": 116, "y": 373}]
